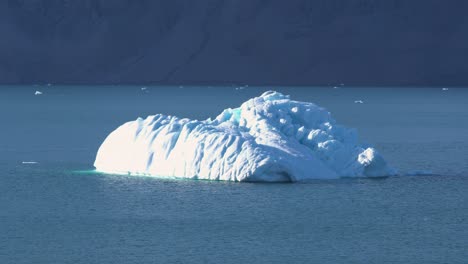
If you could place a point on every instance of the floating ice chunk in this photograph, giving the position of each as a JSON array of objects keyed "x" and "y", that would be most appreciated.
[
  {"x": 269, "y": 138},
  {"x": 358, "y": 102},
  {"x": 29, "y": 162},
  {"x": 242, "y": 87},
  {"x": 38, "y": 93},
  {"x": 445, "y": 89},
  {"x": 143, "y": 88}
]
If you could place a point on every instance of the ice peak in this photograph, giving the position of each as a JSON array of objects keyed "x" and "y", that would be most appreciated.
[{"x": 273, "y": 95}]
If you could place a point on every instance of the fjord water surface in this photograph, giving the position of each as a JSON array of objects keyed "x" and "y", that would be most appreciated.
[{"x": 60, "y": 211}]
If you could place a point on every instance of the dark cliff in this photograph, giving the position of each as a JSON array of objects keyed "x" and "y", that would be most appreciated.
[{"x": 293, "y": 42}]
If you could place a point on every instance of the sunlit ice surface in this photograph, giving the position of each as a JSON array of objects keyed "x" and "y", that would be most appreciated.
[{"x": 269, "y": 138}]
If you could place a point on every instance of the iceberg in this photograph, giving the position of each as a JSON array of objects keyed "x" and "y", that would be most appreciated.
[
  {"x": 29, "y": 162},
  {"x": 270, "y": 138}
]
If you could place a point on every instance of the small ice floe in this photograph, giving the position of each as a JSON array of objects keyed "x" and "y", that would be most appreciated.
[
  {"x": 144, "y": 88},
  {"x": 49, "y": 84},
  {"x": 358, "y": 102},
  {"x": 242, "y": 87},
  {"x": 29, "y": 162},
  {"x": 38, "y": 93},
  {"x": 444, "y": 89},
  {"x": 336, "y": 87}
]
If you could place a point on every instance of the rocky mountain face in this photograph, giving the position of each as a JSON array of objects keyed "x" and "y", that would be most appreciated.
[{"x": 293, "y": 42}]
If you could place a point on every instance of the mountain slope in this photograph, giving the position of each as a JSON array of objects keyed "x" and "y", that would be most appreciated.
[{"x": 297, "y": 42}]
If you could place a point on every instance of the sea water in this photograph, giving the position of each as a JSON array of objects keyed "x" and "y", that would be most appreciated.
[{"x": 55, "y": 209}]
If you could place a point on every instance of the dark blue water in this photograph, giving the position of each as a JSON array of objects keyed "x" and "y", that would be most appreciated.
[{"x": 59, "y": 211}]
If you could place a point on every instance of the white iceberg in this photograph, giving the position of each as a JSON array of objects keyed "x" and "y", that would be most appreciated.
[
  {"x": 29, "y": 162},
  {"x": 268, "y": 138}
]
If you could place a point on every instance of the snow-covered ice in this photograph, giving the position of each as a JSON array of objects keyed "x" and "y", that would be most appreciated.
[
  {"x": 269, "y": 138},
  {"x": 38, "y": 93},
  {"x": 358, "y": 102}
]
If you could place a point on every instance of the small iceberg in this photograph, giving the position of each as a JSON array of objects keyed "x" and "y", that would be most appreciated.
[
  {"x": 270, "y": 138},
  {"x": 358, "y": 102},
  {"x": 239, "y": 88},
  {"x": 38, "y": 93},
  {"x": 29, "y": 162},
  {"x": 445, "y": 89}
]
